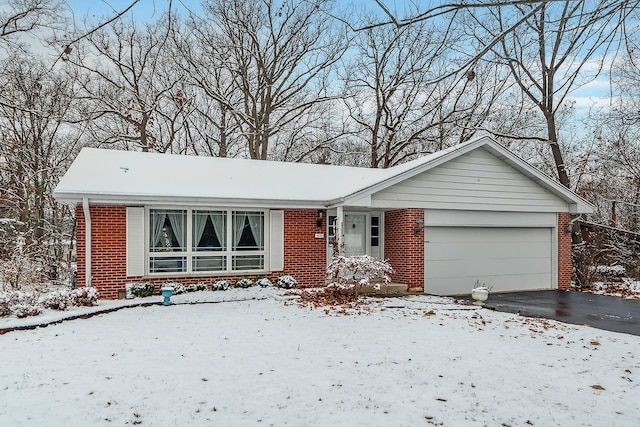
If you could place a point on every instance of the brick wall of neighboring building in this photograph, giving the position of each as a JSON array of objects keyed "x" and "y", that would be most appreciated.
[
  {"x": 305, "y": 255},
  {"x": 564, "y": 251},
  {"x": 404, "y": 248}
]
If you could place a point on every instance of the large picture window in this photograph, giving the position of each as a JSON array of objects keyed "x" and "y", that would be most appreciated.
[{"x": 200, "y": 240}]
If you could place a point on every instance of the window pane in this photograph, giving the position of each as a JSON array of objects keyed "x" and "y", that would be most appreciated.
[
  {"x": 248, "y": 230},
  {"x": 167, "y": 230},
  {"x": 375, "y": 241},
  {"x": 209, "y": 230},
  {"x": 375, "y": 220},
  {"x": 167, "y": 264},
  {"x": 209, "y": 263},
  {"x": 248, "y": 262}
]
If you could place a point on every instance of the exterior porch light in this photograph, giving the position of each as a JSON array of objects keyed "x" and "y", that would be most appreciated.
[
  {"x": 319, "y": 218},
  {"x": 419, "y": 226}
]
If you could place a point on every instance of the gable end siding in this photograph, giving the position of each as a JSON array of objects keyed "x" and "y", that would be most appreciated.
[{"x": 474, "y": 181}]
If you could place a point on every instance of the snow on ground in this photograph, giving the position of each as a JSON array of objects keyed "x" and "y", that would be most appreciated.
[
  {"x": 409, "y": 361},
  {"x": 627, "y": 288}
]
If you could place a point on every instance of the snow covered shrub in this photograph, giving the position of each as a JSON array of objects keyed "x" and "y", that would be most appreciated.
[
  {"x": 178, "y": 288},
  {"x": 142, "y": 289},
  {"x": 611, "y": 270},
  {"x": 24, "y": 304},
  {"x": 265, "y": 282},
  {"x": 244, "y": 283},
  {"x": 220, "y": 285},
  {"x": 4, "y": 305},
  {"x": 86, "y": 296},
  {"x": 19, "y": 270},
  {"x": 357, "y": 271},
  {"x": 197, "y": 287},
  {"x": 58, "y": 299},
  {"x": 286, "y": 282}
]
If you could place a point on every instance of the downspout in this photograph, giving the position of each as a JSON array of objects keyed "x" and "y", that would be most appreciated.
[
  {"x": 87, "y": 241},
  {"x": 339, "y": 228}
]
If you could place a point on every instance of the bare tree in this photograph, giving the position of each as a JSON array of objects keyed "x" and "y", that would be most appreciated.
[
  {"x": 401, "y": 106},
  {"x": 549, "y": 55},
  {"x": 38, "y": 143},
  {"x": 24, "y": 16},
  {"x": 275, "y": 56},
  {"x": 134, "y": 97}
]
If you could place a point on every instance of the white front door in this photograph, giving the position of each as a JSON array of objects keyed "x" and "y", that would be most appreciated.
[{"x": 355, "y": 234}]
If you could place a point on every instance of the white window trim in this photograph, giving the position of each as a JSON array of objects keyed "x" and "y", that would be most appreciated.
[{"x": 228, "y": 253}]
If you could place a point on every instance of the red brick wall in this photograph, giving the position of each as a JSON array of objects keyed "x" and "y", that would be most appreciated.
[
  {"x": 305, "y": 256},
  {"x": 80, "y": 245},
  {"x": 564, "y": 251},
  {"x": 404, "y": 248},
  {"x": 108, "y": 248}
]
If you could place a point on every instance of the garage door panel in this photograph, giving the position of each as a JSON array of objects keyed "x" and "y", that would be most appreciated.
[
  {"x": 508, "y": 259},
  {"x": 484, "y": 235},
  {"x": 489, "y": 268},
  {"x": 448, "y": 251},
  {"x": 502, "y": 283}
]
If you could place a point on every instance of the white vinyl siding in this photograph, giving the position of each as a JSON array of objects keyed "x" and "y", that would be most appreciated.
[
  {"x": 135, "y": 242},
  {"x": 474, "y": 181},
  {"x": 276, "y": 241},
  {"x": 508, "y": 259}
]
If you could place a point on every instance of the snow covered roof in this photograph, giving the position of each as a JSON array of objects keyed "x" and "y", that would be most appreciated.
[{"x": 115, "y": 176}]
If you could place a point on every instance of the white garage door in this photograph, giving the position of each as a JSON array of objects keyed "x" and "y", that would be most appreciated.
[{"x": 509, "y": 259}]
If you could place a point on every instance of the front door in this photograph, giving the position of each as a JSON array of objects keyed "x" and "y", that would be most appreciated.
[
  {"x": 355, "y": 234},
  {"x": 362, "y": 234}
]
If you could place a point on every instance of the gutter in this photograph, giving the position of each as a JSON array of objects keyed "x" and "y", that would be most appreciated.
[{"x": 87, "y": 241}]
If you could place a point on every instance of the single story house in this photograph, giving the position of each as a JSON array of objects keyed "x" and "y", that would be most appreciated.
[{"x": 472, "y": 213}]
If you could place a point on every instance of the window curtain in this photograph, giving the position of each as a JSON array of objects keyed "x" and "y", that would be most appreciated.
[
  {"x": 257, "y": 224},
  {"x": 217, "y": 219},
  {"x": 178, "y": 225},
  {"x": 199, "y": 222},
  {"x": 157, "y": 221},
  {"x": 238, "y": 226}
]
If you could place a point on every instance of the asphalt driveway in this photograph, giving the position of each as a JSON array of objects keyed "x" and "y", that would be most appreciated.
[{"x": 579, "y": 308}]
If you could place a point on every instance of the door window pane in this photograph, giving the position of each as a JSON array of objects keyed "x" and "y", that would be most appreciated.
[{"x": 375, "y": 231}]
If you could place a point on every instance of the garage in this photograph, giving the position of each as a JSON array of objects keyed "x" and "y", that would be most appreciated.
[{"x": 507, "y": 251}]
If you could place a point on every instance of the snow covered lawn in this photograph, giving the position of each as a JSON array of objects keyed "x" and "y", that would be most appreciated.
[{"x": 409, "y": 361}]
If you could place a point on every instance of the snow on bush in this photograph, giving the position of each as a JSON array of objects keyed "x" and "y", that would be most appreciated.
[
  {"x": 24, "y": 304},
  {"x": 87, "y": 296},
  {"x": 179, "y": 288},
  {"x": 19, "y": 270},
  {"x": 5, "y": 309},
  {"x": 58, "y": 299},
  {"x": 195, "y": 287},
  {"x": 264, "y": 282},
  {"x": 244, "y": 283},
  {"x": 610, "y": 270},
  {"x": 141, "y": 289},
  {"x": 220, "y": 285},
  {"x": 357, "y": 271},
  {"x": 286, "y": 282}
]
